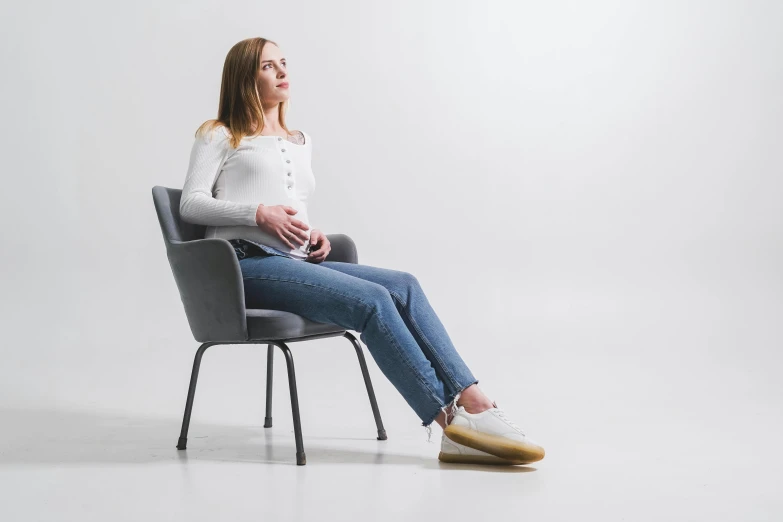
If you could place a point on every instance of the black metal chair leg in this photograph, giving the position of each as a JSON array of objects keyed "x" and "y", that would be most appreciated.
[
  {"x": 301, "y": 458},
  {"x": 270, "y": 359},
  {"x": 182, "y": 443},
  {"x": 368, "y": 383}
]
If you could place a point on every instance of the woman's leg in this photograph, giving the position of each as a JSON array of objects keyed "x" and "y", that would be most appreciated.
[
  {"x": 429, "y": 332},
  {"x": 330, "y": 296}
]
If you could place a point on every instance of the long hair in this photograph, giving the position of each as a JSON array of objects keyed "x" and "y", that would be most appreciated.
[{"x": 240, "y": 102}]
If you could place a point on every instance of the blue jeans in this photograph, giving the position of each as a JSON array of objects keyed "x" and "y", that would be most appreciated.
[{"x": 387, "y": 307}]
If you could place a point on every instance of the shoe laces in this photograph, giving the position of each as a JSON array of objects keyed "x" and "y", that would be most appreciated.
[{"x": 502, "y": 414}]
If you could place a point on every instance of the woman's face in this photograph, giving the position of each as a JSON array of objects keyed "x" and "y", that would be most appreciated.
[{"x": 272, "y": 76}]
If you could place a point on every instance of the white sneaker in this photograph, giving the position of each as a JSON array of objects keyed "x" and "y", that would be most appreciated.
[
  {"x": 491, "y": 431},
  {"x": 454, "y": 452}
]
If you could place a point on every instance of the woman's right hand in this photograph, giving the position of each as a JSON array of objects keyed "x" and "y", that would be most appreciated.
[{"x": 277, "y": 220}]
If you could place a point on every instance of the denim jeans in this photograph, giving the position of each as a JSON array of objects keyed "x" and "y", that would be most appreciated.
[
  {"x": 387, "y": 307},
  {"x": 245, "y": 248}
]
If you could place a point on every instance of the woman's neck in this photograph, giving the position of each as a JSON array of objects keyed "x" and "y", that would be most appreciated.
[{"x": 271, "y": 114}]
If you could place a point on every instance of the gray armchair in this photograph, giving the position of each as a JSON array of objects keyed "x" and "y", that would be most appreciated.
[{"x": 210, "y": 285}]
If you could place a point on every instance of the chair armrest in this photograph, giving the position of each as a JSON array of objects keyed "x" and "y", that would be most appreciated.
[
  {"x": 343, "y": 249},
  {"x": 210, "y": 285}
]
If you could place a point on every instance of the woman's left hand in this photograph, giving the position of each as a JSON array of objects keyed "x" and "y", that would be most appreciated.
[{"x": 320, "y": 246}]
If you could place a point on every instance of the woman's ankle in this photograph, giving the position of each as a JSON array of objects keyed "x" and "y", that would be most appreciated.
[
  {"x": 474, "y": 400},
  {"x": 477, "y": 407}
]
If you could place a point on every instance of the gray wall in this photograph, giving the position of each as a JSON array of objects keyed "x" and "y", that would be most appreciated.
[{"x": 588, "y": 192}]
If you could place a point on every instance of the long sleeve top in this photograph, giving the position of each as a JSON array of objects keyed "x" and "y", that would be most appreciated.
[{"x": 224, "y": 186}]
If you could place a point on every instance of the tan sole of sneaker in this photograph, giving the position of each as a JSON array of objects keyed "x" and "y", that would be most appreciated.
[
  {"x": 453, "y": 458},
  {"x": 505, "y": 448}
]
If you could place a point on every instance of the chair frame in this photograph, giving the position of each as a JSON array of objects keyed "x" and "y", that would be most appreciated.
[{"x": 209, "y": 281}]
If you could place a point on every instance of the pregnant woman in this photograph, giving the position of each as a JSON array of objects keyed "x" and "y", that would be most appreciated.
[{"x": 249, "y": 181}]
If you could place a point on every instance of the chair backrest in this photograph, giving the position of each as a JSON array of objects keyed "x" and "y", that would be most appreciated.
[
  {"x": 173, "y": 228},
  {"x": 206, "y": 271}
]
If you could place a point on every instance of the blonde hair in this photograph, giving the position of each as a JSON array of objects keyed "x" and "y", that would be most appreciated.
[{"x": 240, "y": 103}]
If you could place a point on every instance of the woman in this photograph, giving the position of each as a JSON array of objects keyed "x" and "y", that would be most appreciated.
[{"x": 249, "y": 181}]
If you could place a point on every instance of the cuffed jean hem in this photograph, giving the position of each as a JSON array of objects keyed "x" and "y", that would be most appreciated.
[
  {"x": 426, "y": 424},
  {"x": 450, "y": 404}
]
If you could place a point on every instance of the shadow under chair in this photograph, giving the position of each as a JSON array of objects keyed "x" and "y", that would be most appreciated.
[{"x": 209, "y": 281}]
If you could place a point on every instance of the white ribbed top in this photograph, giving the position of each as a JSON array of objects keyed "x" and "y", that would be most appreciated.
[{"x": 224, "y": 186}]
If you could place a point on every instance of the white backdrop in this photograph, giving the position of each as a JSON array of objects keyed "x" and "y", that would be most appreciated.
[{"x": 589, "y": 193}]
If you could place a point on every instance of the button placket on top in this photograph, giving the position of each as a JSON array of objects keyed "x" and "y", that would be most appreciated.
[{"x": 290, "y": 180}]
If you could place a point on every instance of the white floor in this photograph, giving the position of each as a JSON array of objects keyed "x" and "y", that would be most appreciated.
[{"x": 611, "y": 455}]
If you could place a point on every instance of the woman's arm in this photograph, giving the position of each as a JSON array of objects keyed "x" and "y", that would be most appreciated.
[{"x": 197, "y": 205}]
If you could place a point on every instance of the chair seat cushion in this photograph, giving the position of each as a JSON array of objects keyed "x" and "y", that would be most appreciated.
[{"x": 278, "y": 325}]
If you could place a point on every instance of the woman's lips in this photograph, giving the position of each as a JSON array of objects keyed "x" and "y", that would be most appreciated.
[{"x": 283, "y": 85}]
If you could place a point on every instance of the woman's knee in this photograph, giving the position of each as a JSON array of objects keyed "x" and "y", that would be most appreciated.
[
  {"x": 376, "y": 296},
  {"x": 377, "y": 304},
  {"x": 409, "y": 280},
  {"x": 404, "y": 285}
]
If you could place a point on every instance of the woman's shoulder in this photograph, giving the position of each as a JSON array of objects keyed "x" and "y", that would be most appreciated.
[{"x": 211, "y": 129}]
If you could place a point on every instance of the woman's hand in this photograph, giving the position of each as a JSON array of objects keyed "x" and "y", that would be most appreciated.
[
  {"x": 276, "y": 221},
  {"x": 320, "y": 246}
]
